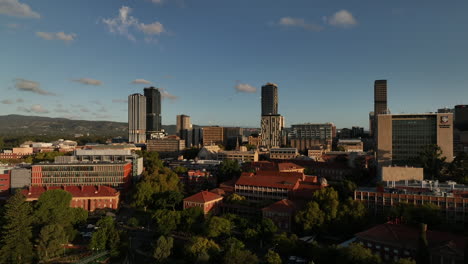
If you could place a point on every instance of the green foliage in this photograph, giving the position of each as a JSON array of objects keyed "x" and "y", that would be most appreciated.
[
  {"x": 236, "y": 199},
  {"x": 162, "y": 248},
  {"x": 133, "y": 222},
  {"x": 16, "y": 232},
  {"x": 167, "y": 199},
  {"x": 358, "y": 254},
  {"x": 46, "y": 156},
  {"x": 218, "y": 226},
  {"x": 457, "y": 170},
  {"x": 239, "y": 256},
  {"x": 431, "y": 159},
  {"x": 345, "y": 189},
  {"x": 180, "y": 170},
  {"x": 284, "y": 244},
  {"x": 143, "y": 193},
  {"x": 50, "y": 241},
  {"x": 192, "y": 220},
  {"x": 151, "y": 161},
  {"x": 427, "y": 213},
  {"x": 53, "y": 207},
  {"x": 311, "y": 218},
  {"x": 106, "y": 237},
  {"x": 201, "y": 249},
  {"x": 272, "y": 257},
  {"x": 405, "y": 261},
  {"x": 166, "y": 220},
  {"x": 228, "y": 169},
  {"x": 327, "y": 199}
]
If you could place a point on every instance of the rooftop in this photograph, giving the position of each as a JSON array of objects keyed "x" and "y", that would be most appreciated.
[
  {"x": 284, "y": 205},
  {"x": 34, "y": 192},
  {"x": 203, "y": 197}
]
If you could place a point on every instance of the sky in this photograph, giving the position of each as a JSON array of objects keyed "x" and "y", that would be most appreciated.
[{"x": 81, "y": 59}]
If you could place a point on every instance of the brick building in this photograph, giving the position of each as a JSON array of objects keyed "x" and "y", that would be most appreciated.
[
  {"x": 89, "y": 198},
  {"x": 209, "y": 202},
  {"x": 281, "y": 213}
]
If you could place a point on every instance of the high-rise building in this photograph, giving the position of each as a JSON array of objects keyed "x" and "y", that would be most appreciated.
[
  {"x": 380, "y": 97},
  {"x": 213, "y": 135},
  {"x": 272, "y": 130},
  {"x": 461, "y": 117},
  {"x": 153, "y": 110},
  {"x": 269, "y": 99},
  {"x": 136, "y": 118},
  {"x": 400, "y": 138},
  {"x": 182, "y": 123}
]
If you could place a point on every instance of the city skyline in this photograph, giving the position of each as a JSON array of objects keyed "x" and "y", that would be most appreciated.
[{"x": 324, "y": 57}]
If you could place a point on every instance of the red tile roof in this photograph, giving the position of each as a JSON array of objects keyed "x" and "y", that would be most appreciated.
[
  {"x": 284, "y": 205},
  {"x": 218, "y": 191},
  {"x": 271, "y": 181},
  {"x": 407, "y": 237},
  {"x": 34, "y": 192},
  {"x": 297, "y": 175},
  {"x": 289, "y": 166},
  {"x": 203, "y": 197}
]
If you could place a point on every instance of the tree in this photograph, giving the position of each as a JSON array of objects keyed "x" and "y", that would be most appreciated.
[
  {"x": 327, "y": 199},
  {"x": 201, "y": 249},
  {"x": 218, "y": 226},
  {"x": 166, "y": 221},
  {"x": 357, "y": 254},
  {"x": 163, "y": 247},
  {"x": 236, "y": 199},
  {"x": 284, "y": 244},
  {"x": 405, "y": 261},
  {"x": 311, "y": 218},
  {"x": 272, "y": 257},
  {"x": 133, "y": 222},
  {"x": 265, "y": 229},
  {"x": 458, "y": 168},
  {"x": 422, "y": 253},
  {"x": 15, "y": 240},
  {"x": 432, "y": 161},
  {"x": 167, "y": 199},
  {"x": 228, "y": 169},
  {"x": 106, "y": 237},
  {"x": 351, "y": 216},
  {"x": 53, "y": 207},
  {"x": 142, "y": 195},
  {"x": 50, "y": 242},
  {"x": 192, "y": 220},
  {"x": 239, "y": 256}
]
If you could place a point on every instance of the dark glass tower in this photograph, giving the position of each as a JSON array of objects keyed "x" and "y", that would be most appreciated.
[
  {"x": 269, "y": 99},
  {"x": 380, "y": 97},
  {"x": 153, "y": 109},
  {"x": 461, "y": 117}
]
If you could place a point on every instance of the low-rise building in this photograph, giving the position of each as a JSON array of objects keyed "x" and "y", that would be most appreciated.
[
  {"x": 281, "y": 213},
  {"x": 394, "y": 173},
  {"x": 351, "y": 145},
  {"x": 167, "y": 145},
  {"x": 283, "y": 153},
  {"x": 451, "y": 198},
  {"x": 4, "y": 182},
  {"x": 88, "y": 198},
  {"x": 209, "y": 202},
  {"x": 241, "y": 156},
  {"x": 197, "y": 179},
  {"x": 316, "y": 152},
  {"x": 395, "y": 241}
]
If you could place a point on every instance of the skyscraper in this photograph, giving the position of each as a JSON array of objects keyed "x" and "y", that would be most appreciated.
[
  {"x": 380, "y": 97},
  {"x": 153, "y": 110},
  {"x": 272, "y": 128},
  {"x": 184, "y": 129},
  {"x": 136, "y": 118},
  {"x": 269, "y": 99},
  {"x": 461, "y": 117}
]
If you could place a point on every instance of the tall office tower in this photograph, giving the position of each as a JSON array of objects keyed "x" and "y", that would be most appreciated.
[
  {"x": 269, "y": 99},
  {"x": 153, "y": 110},
  {"x": 184, "y": 129},
  {"x": 380, "y": 97},
  {"x": 233, "y": 136},
  {"x": 182, "y": 123},
  {"x": 461, "y": 117},
  {"x": 272, "y": 130},
  {"x": 305, "y": 136},
  {"x": 402, "y": 137},
  {"x": 137, "y": 118}
]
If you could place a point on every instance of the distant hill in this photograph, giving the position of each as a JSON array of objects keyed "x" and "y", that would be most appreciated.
[{"x": 37, "y": 125}]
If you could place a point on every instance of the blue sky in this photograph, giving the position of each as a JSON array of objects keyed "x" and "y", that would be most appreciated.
[{"x": 81, "y": 59}]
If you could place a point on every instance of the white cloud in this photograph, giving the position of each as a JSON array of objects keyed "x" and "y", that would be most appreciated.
[
  {"x": 154, "y": 28},
  {"x": 30, "y": 86},
  {"x": 141, "y": 81},
  {"x": 299, "y": 22},
  {"x": 245, "y": 88},
  {"x": 124, "y": 23},
  {"x": 17, "y": 9},
  {"x": 342, "y": 18},
  {"x": 56, "y": 36},
  {"x": 166, "y": 95},
  {"x": 37, "y": 108},
  {"x": 88, "y": 81},
  {"x": 6, "y": 101}
]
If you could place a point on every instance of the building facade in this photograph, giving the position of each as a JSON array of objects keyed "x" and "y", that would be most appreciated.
[
  {"x": 169, "y": 145},
  {"x": 213, "y": 135},
  {"x": 401, "y": 137},
  {"x": 272, "y": 130},
  {"x": 114, "y": 174},
  {"x": 241, "y": 156},
  {"x": 88, "y": 198},
  {"x": 351, "y": 145},
  {"x": 269, "y": 99},
  {"x": 153, "y": 110},
  {"x": 209, "y": 202},
  {"x": 306, "y": 136},
  {"x": 137, "y": 118},
  {"x": 283, "y": 153}
]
